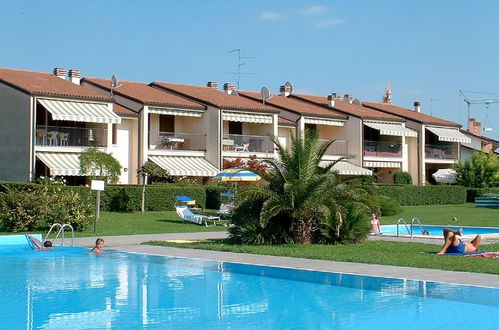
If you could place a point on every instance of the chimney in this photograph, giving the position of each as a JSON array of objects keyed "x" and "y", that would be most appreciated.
[
  {"x": 229, "y": 88},
  {"x": 284, "y": 90},
  {"x": 212, "y": 85},
  {"x": 474, "y": 127},
  {"x": 60, "y": 72},
  {"x": 417, "y": 106},
  {"x": 330, "y": 100},
  {"x": 74, "y": 76},
  {"x": 348, "y": 98}
]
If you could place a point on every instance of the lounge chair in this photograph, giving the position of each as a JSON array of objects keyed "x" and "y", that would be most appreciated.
[{"x": 185, "y": 213}]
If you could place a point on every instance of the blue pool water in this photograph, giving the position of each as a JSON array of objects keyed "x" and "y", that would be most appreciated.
[
  {"x": 437, "y": 230},
  {"x": 68, "y": 288}
]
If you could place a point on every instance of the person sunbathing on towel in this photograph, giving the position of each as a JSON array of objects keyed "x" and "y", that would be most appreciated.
[{"x": 454, "y": 244}]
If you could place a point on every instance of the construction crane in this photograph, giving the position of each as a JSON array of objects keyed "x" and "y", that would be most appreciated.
[{"x": 486, "y": 101}]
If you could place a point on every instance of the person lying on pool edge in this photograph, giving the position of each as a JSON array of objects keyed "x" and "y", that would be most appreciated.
[
  {"x": 454, "y": 244},
  {"x": 35, "y": 243}
]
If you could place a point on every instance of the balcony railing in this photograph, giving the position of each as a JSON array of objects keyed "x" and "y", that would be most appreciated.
[
  {"x": 382, "y": 149},
  {"x": 441, "y": 151},
  {"x": 247, "y": 143},
  {"x": 177, "y": 141},
  {"x": 338, "y": 147},
  {"x": 59, "y": 136}
]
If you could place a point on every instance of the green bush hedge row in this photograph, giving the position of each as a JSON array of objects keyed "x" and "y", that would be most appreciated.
[
  {"x": 477, "y": 192},
  {"x": 423, "y": 195}
]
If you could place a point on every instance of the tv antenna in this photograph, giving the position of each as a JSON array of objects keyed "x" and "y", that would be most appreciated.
[
  {"x": 486, "y": 101},
  {"x": 240, "y": 63},
  {"x": 289, "y": 86},
  {"x": 265, "y": 94},
  {"x": 114, "y": 84}
]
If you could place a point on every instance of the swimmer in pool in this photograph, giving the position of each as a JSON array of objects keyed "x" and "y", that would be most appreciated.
[
  {"x": 454, "y": 244},
  {"x": 99, "y": 245},
  {"x": 46, "y": 245}
]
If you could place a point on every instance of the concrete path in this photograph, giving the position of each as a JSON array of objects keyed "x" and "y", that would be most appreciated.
[{"x": 131, "y": 243}]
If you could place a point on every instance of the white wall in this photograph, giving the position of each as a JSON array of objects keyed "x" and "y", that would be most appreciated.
[
  {"x": 15, "y": 135},
  {"x": 213, "y": 128}
]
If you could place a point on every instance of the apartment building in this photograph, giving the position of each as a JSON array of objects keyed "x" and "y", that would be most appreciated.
[
  {"x": 47, "y": 120},
  {"x": 438, "y": 142}
]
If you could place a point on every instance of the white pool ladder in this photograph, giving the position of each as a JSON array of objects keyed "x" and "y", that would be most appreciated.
[
  {"x": 59, "y": 232},
  {"x": 409, "y": 230}
]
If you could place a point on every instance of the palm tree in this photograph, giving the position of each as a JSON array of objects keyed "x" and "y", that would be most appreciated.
[{"x": 303, "y": 199}]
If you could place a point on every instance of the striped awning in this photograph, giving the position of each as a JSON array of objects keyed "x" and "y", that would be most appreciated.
[
  {"x": 392, "y": 129},
  {"x": 449, "y": 134},
  {"x": 346, "y": 168},
  {"x": 81, "y": 111},
  {"x": 328, "y": 122},
  {"x": 176, "y": 112},
  {"x": 382, "y": 164},
  {"x": 61, "y": 163},
  {"x": 185, "y": 165},
  {"x": 247, "y": 117}
]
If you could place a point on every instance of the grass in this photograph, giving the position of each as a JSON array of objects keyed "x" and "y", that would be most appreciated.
[
  {"x": 371, "y": 252},
  {"x": 467, "y": 215},
  {"x": 116, "y": 223}
]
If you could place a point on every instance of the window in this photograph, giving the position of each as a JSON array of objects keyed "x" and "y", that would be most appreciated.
[
  {"x": 235, "y": 127},
  {"x": 167, "y": 123}
]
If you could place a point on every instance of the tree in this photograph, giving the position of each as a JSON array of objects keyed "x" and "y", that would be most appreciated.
[
  {"x": 99, "y": 165},
  {"x": 303, "y": 202},
  {"x": 481, "y": 170},
  {"x": 148, "y": 170}
]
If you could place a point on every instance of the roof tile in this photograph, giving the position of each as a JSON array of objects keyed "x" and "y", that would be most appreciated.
[{"x": 47, "y": 84}]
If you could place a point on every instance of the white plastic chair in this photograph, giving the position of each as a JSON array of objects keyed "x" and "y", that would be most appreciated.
[{"x": 242, "y": 148}]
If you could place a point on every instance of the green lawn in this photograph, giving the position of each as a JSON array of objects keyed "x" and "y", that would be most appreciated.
[
  {"x": 371, "y": 252},
  {"x": 467, "y": 214}
]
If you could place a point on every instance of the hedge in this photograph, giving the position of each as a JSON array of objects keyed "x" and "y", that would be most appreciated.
[
  {"x": 213, "y": 196},
  {"x": 471, "y": 193},
  {"x": 423, "y": 195}
]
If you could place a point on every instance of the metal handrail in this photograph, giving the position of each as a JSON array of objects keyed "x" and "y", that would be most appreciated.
[
  {"x": 61, "y": 230},
  {"x": 413, "y": 220},
  {"x": 405, "y": 224}
]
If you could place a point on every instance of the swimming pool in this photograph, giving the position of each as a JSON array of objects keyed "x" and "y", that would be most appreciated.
[
  {"x": 68, "y": 288},
  {"x": 437, "y": 230}
]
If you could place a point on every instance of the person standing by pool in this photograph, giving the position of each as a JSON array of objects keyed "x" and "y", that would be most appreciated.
[
  {"x": 375, "y": 224},
  {"x": 454, "y": 244},
  {"x": 99, "y": 245}
]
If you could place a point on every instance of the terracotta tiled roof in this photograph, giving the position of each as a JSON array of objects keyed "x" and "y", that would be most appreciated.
[
  {"x": 214, "y": 97},
  {"x": 285, "y": 122},
  {"x": 409, "y": 114},
  {"x": 295, "y": 105},
  {"x": 145, "y": 94},
  {"x": 348, "y": 108},
  {"x": 123, "y": 111},
  {"x": 46, "y": 84},
  {"x": 482, "y": 137}
]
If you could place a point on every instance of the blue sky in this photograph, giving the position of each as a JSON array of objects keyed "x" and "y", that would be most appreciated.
[{"x": 425, "y": 50}]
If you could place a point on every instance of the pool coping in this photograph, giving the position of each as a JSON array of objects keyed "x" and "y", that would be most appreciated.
[
  {"x": 490, "y": 237},
  {"x": 132, "y": 244}
]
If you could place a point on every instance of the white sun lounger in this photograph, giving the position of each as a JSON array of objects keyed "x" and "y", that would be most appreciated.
[{"x": 185, "y": 213}]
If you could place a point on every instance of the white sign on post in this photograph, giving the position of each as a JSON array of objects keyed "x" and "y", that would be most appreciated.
[{"x": 97, "y": 185}]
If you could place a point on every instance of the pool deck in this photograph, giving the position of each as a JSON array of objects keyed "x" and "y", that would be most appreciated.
[{"x": 131, "y": 243}]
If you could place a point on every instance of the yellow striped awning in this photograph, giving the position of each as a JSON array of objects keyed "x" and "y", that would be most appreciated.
[
  {"x": 61, "y": 163},
  {"x": 449, "y": 134},
  {"x": 322, "y": 121},
  {"x": 176, "y": 112},
  {"x": 81, "y": 111},
  {"x": 247, "y": 117},
  {"x": 346, "y": 168},
  {"x": 392, "y": 129},
  {"x": 185, "y": 165}
]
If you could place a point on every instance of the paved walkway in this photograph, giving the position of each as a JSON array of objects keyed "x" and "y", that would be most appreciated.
[{"x": 131, "y": 243}]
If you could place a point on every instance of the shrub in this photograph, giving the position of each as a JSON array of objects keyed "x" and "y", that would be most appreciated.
[
  {"x": 471, "y": 193},
  {"x": 213, "y": 196},
  {"x": 423, "y": 195},
  {"x": 387, "y": 206},
  {"x": 402, "y": 178}
]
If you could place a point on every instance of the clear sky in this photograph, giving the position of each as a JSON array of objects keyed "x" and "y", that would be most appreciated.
[{"x": 426, "y": 50}]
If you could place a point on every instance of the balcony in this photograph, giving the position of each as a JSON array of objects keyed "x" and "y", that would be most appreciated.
[
  {"x": 247, "y": 143},
  {"x": 339, "y": 147},
  {"x": 441, "y": 151},
  {"x": 177, "y": 141},
  {"x": 60, "y": 136},
  {"x": 382, "y": 149}
]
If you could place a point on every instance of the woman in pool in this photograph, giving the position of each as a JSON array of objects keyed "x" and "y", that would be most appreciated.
[
  {"x": 99, "y": 245},
  {"x": 46, "y": 245},
  {"x": 454, "y": 244}
]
